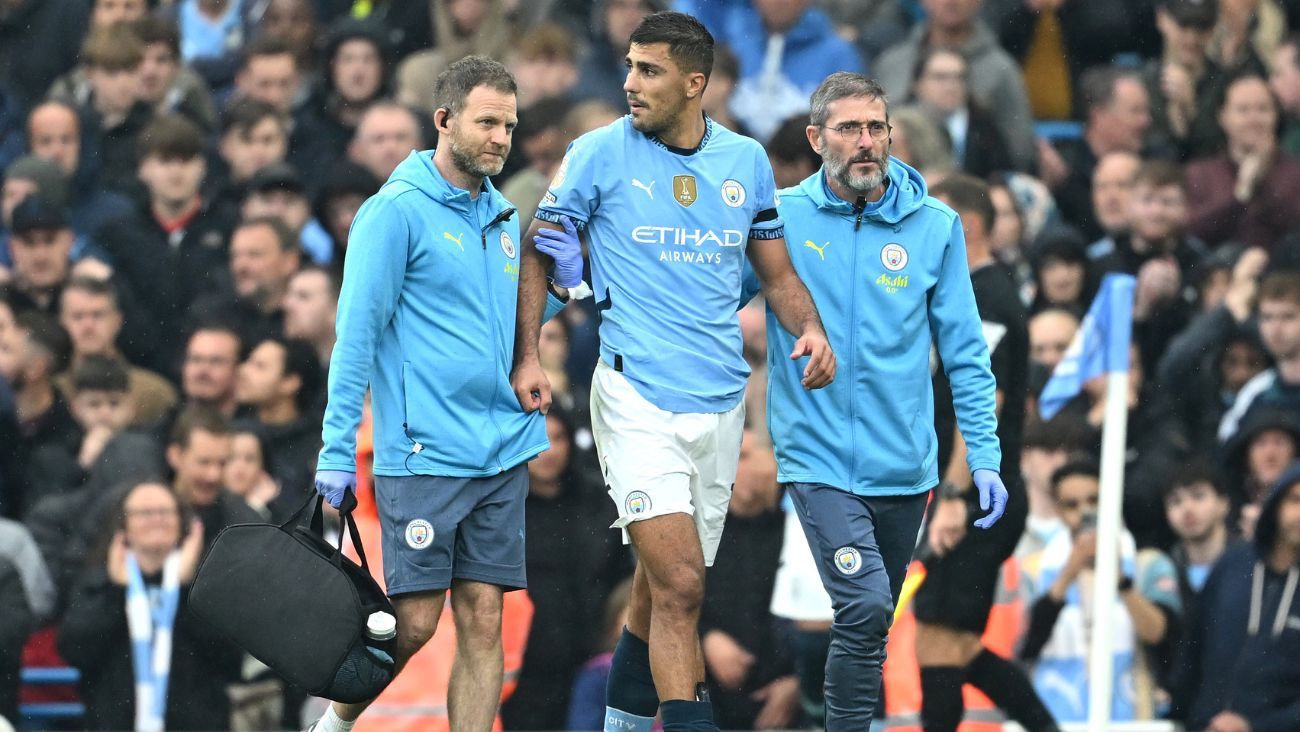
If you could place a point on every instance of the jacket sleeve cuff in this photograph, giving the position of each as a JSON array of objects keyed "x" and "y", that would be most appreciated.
[
  {"x": 553, "y": 305},
  {"x": 343, "y": 465}
]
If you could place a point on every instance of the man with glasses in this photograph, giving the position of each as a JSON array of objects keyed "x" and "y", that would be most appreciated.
[{"x": 887, "y": 266}]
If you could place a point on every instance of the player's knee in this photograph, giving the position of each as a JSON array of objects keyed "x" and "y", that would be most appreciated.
[{"x": 679, "y": 591}]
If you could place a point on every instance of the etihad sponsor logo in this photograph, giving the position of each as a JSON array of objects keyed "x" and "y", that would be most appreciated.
[
  {"x": 892, "y": 284},
  {"x": 676, "y": 236},
  {"x": 690, "y": 257}
]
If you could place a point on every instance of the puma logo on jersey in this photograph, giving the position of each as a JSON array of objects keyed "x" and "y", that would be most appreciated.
[
  {"x": 821, "y": 250},
  {"x": 454, "y": 239},
  {"x": 638, "y": 184}
]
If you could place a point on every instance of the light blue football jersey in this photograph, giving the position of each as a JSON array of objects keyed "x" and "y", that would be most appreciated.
[{"x": 667, "y": 231}]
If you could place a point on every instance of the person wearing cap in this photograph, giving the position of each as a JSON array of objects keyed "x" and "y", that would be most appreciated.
[
  {"x": 1242, "y": 671},
  {"x": 279, "y": 191},
  {"x": 1184, "y": 83},
  {"x": 40, "y": 247},
  {"x": 28, "y": 176}
]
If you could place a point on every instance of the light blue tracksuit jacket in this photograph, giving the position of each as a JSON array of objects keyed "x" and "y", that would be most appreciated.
[
  {"x": 888, "y": 278},
  {"x": 426, "y": 318}
]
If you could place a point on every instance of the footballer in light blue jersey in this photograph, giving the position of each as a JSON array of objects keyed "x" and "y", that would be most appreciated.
[
  {"x": 673, "y": 205},
  {"x": 667, "y": 231}
]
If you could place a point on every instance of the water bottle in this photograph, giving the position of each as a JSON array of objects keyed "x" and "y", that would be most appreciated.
[
  {"x": 369, "y": 665},
  {"x": 381, "y": 633}
]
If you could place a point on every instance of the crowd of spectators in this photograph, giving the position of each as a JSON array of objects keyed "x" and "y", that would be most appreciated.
[{"x": 180, "y": 176}]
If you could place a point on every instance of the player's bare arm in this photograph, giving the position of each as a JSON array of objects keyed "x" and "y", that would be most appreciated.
[
  {"x": 794, "y": 307},
  {"x": 531, "y": 387}
]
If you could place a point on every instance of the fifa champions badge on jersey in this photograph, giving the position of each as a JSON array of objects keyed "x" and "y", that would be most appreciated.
[
  {"x": 684, "y": 191},
  {"x": 419, "y": 534},
  {"x": 848, "y": 561},
  {"x": 637, "y": 503},
  {"x": 893, "y": 256},
  {"x": 733, "y": 193}
]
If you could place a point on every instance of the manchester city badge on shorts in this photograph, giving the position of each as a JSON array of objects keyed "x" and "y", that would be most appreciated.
[
  {"x": 733, "y": 193},
  {"x": 637, "y": 503},
  {"x": 848, "y": 561},
  {"x": 507, "y": 245},
  {"x": 419, "y": 534}
]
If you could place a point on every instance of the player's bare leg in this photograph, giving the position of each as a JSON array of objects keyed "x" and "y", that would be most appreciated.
[{"x": 672, "y": 563}]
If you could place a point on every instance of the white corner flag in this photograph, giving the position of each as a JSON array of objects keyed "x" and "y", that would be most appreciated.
[{"x": 1101, "y": 347}]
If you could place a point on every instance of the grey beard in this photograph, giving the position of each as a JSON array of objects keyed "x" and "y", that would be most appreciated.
[{"x": 861, "y": 184}]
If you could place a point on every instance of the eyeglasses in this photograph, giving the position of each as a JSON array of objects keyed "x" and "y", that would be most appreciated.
[{"x": 852, "y": 131}]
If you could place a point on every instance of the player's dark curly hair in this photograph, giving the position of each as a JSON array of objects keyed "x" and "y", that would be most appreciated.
[{"x": 690, "y": 45}]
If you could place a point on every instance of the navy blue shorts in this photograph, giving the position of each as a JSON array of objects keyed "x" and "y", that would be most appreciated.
[{"x": 437, "y": 529}]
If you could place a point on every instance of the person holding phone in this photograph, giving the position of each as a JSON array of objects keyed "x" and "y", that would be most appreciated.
[{"x": 1147, "y": 610}]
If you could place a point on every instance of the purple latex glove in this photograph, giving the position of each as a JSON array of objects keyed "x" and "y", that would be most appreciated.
[
  {"x": 565, "y": 249},
  {"x": 338, "y": 487},
  {"x": 993, "y": 493}
]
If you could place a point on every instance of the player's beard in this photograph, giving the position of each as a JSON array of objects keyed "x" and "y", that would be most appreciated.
[
  {"x": 842, "y": 170},
  {"x": 468, "y": 162},
  {"x": 657, "y": 119}
]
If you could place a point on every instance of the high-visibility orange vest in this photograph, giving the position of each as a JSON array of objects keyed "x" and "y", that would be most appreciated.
[
  {"x": 902, "y": 674},
  {"x": 416, "y": 701}
]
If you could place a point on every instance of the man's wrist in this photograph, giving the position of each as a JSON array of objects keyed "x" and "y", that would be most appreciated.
[{"x": 948, "y": 490}]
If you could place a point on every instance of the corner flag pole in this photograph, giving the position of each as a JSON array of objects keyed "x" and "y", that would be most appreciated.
[{"x": 1101, "y": 671}]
